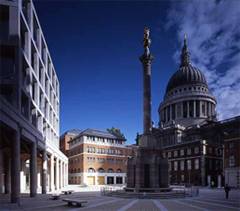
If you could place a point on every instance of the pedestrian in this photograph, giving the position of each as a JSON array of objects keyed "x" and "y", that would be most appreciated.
[{"x": 227, "y": 189}]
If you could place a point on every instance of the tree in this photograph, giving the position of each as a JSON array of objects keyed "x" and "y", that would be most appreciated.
[{"x": 117, "y": 132}]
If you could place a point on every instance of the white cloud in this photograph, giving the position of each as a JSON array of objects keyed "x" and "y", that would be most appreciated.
[{"x": 213, "y": 31}]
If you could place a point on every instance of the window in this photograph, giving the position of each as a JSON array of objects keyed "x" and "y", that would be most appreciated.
[
  {"x": 91, "y": 170},
  {"x": 197, "y": 108},
  {"x": 189, "y": 164},
  {"x": 178, "y": 110},
  {"x": 119, "y": 180},
  {"x": 169, "y": 154},
  {"x": 175, "y": 165},
  {"x": 169, "y": 166},
  {"x": 173, "y": 111},
  {"x": 110, "y": 170},
  {"x": 182, "y": 177},
  {"x": 182, "y": 165},
  {"x": 182, "y": 152},
  {"x": 175, "y": 153},
  {"x": 196, "y": 164},
  {"x": 196, "y": 150},
  {"x": 185, "y": 109},
  {"x": 231, "y": 161},
  {"x": 164, "y": 155},
  {"x": 101, "y": 170},
  {"x": 189, "y": 151},
  {"x": 119, "y": 170}
]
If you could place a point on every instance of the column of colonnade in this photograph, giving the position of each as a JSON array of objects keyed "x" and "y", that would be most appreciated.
[{"x": 58, "y": 173}]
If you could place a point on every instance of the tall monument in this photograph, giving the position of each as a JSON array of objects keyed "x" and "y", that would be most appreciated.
[{"x": 147, "y": 170}]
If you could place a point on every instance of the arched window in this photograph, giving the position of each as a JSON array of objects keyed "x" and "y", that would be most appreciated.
[
  {"x": 119, "y": 170},
  {"x": 91, "y": 170},
  {"x": 110, "y": 170},
  {"x": 101, "y": 170}
]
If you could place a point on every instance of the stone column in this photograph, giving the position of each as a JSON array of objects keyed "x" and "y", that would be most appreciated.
[
  {"x": 57, "y": 173},
  {"x": 33, "y": 170},
  {"x": 181, "y": 109},
  {"x": 15, "y": 168},
  {"x": 7, "y": 169},
  {"x": 187, "y": 108},
  {"x": 61, "y": 175},
  {"x": 194, "y": 108},
  {"x": 146, "y": 60},
  {"x": 44, "y": 172},
  {"x": 52, "y": 173},
  {"x": 66, "y": 174},
  {"x": 170, "y": 107}
]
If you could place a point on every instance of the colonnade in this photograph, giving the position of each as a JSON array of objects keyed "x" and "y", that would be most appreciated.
[{"x": 186, "y": 109}]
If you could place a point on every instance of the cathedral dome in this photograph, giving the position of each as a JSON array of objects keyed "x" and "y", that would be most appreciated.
[
  {"x": 187, "y": 100},
  {"x": 186, "y": 74}
]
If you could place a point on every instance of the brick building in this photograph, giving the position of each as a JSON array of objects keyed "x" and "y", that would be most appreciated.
[
  {"x": 66, "y": 137},
  {"x": 97, "y": 158}
]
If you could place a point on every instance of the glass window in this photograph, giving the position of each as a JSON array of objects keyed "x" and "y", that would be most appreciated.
[
  {"x": 189, "y": 151},
  {"x": 189, "y": 164},
  {"x": 182, "y": 165},
  {"x": 182, "y": 152},
  {"x": 196, "y": 150},
  {"x": 231, "y": 161},
  {"x": 175, "y": 165},
  {"x": 196, "y": 164},
  {"x": 169, "y": 154},
  {"x": 175, "y": 153}
]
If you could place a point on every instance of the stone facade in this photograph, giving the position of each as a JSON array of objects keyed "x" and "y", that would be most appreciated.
[{"x": 30, "y": 159}]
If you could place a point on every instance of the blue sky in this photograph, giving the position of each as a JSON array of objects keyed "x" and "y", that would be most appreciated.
[{"x": 95, "y": 48}]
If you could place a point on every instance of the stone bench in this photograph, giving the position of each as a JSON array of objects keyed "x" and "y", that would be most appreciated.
[
  {"x": 66, "y": 192},
  {"x": 75, "y": 202},
  {"x": 55, "y": 196}
]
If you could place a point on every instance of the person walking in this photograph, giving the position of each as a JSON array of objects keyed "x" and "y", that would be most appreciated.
[{"x": 227, "y": 189}]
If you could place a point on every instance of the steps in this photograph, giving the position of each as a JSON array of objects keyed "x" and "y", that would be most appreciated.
[{"x": 160, "y": 195}]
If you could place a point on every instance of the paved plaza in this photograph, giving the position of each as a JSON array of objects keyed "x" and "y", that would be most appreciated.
[{"x": 208, "y": 199}]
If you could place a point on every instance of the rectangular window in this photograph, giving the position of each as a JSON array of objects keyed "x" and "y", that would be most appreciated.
[
  {"x": 189, "y": 164},
  {"x": 175, "y": 165},
  {"x": 178, "y": 110},
  {"x": 189, "y": 151},
  {"x": 173, "y": 111},
  {"x": 175, "y": 153},
  {"x": 231, "y": 161},
  {"x": 197, "y": 108},
  {"x": 196, "y": 150},
  {"x": 196, "y": 164},
  {"x": 182, "y": 165},
  {"x": 169, "y": 154},
  {"x": 185, "y": 109},
  {"x": 182, "y": 152}
]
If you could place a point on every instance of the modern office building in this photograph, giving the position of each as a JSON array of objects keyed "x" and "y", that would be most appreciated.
[
  {"x": 30, "y": 159},
  {"x": 97, "y": 158}
]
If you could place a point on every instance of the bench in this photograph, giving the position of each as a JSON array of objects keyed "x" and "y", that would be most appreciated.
[
  {"x": 55, "y": 196},
  {"x": 66, "y": 192},
  {"x": 75, "y": 202}
]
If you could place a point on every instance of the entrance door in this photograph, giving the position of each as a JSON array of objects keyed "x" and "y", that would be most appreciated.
[
  {"x": 101, "y": 180},
  {"x": 110, "y": 180},
  {"x": 91, "y": 180}
]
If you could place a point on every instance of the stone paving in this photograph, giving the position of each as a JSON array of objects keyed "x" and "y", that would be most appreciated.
[{"x": 208, "y": 199}]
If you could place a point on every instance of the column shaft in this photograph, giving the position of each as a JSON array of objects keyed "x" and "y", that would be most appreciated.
[
  {"x": 15, "y": 168},
  {"x": 194, "y": 108},
  {"x": 57, "y": 173},
  {"x": 44, "y": 172},
  {"x": 52, "y": 173},
  {"x": 33, "y": 170}
]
